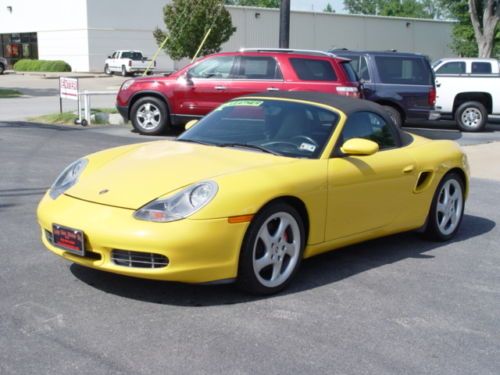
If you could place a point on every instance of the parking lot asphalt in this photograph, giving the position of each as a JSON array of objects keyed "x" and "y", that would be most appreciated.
[{"x": 398, "y": 305}]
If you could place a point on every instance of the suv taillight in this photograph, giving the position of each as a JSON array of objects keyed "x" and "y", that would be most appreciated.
[
  {"x": 348, "y": 91},
  {"x": 432, "y": 96},
  {"x": 130, "y": 63}
]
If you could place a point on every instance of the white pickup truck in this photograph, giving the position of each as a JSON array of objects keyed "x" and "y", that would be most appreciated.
[
  {"x": 126, "y": 62},
  {"x": 467, "y": 90}
]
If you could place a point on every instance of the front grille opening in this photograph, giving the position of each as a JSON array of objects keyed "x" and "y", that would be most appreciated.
[
  {"x": 88, "y": 254},
  {"x": 137, "y": 259}
]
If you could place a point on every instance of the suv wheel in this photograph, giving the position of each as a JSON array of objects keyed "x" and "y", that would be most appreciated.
[
  {"x": 124, "y": 71},
  {"x": 149, "y": 116},
  {"x": 394, "y": 114},
  {"x": 107, "y": 71},
  {"x": 471, "y": 117},
  {"x": 2, "y": 68}
]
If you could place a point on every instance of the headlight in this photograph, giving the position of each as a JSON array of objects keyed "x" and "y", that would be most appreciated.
[
  {"x": 67, "y": 178},
  {"x": 180, "y": 205},
  {"x": 127, "y": 84}
]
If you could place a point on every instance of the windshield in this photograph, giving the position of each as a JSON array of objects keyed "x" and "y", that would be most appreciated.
[{"x": 275, "y": 126}]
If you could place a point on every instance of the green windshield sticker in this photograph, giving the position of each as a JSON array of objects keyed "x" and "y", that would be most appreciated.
[{"x": 246, "y": 103}]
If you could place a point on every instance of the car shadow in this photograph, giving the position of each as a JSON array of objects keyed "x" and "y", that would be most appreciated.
[{"x": 315, "y": 272}]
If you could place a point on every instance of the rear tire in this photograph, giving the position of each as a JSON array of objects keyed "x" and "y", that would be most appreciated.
[
  {"x": 394, "y": 114},
  {"x": 471, "y": 116},
  {"x": 124, "y": 71},
  {"x": 272, "y": 250},
  {"x": 149, "y": 116},
  {"x": 447, "y": 208}
]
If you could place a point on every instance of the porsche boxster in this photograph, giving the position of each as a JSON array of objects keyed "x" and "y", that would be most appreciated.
[{"x": 256, "y": 186}]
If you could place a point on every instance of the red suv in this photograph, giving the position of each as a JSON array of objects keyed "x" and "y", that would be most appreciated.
[{"x": 157, "y": 102}]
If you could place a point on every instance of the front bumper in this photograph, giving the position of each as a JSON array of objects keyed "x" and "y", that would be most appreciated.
[
  {"x": 123, "y": 111},
  {"x": 198, "y": 251}
]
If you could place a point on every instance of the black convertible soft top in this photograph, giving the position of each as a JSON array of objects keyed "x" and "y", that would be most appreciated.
[{"x": 343, "y": 103}]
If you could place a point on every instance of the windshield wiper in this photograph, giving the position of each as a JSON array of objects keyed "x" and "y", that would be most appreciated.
[
  {"x": 194, "y": 141},
  {"x": 247, "y": 145}
]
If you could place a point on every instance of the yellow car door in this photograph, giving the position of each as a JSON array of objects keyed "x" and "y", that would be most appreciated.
[{"x": 367, "y": 192}]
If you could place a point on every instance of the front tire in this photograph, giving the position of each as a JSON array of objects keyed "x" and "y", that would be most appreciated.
[
  {"x": 471, "y": 116},
  {"x": 447, "y": 208},
  {"x": 2, "y": 68},
  {"x": 272, "y": 250},
  {"x": 107, "y": 71},
  {"x": 149, "y": 116}
]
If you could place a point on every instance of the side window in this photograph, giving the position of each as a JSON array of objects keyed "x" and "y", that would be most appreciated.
[
  {"x": 369, "y": 125},
  {"x": 481, "y": 67},
  {"x": 258, "y": 67},
  {"x": 454, "y": 67},
  {"x": 216, "y": 67},
  {"x": 363, "y": 73},
  {"x": 349, "y": 71},
  {"x": 403, "y": 70},
  {"x": 313, "y": 70}
]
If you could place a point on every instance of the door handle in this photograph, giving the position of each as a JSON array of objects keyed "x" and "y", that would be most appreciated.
[
  {"x": 408, "y": 169},
  {"x": 273, "y": 89},
  {"x": 220, "y": 88}
]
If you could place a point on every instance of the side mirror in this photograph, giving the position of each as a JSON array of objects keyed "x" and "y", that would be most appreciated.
[
  {"x": 190, "y": 124},
  {"x": 109, "y": 57},
  {"x": 188, "y": 78},
  {"x": 360, "y": 147}
]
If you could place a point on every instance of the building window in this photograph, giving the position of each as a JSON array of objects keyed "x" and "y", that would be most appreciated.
[{"x": 18, "y": 46}]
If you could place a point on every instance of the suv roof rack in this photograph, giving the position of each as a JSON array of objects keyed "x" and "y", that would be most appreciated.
[{"x": 287, "y": 50}]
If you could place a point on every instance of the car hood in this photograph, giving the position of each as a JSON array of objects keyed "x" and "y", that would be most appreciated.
[{"x": 142, "y": 173}]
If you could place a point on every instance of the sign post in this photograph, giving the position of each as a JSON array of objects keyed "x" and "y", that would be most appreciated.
[{"x": 68, "y": 89}]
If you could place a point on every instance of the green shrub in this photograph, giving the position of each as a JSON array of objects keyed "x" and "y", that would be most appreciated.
[{"x": 27, "y": 65}]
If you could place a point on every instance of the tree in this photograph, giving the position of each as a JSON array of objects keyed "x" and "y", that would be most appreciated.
[
  {"x": 329, "y": 9},
  {"x": 255, "y": 3},
  {"x": 187, "y": 23},
  {"x": 395, "y": 8},
  {"x": 485, "y": 28},
  {"x": 464, "y": 39}
]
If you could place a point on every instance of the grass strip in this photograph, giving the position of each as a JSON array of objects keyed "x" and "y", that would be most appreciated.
[{"x": 9, "y": 93}]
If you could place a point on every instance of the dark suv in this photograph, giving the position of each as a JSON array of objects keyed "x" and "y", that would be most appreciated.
[
  {"x": 402, "y": 82},
  {"x": 156, "y": 102}
]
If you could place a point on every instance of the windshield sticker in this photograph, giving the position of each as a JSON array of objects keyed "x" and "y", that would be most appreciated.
[
  {"x": 307, "y": 147},
  {"x": 246, "y": 103}
]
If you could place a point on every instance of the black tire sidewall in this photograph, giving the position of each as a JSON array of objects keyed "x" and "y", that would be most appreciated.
[
  {"x": 462, "y": 108},
  {"x": 164, "y": 123},
  {"x": 2, "y": 69},
  {"x": 432, "y": 230},
  {"x": 124, "y": 71},
  {"x": 247, "y": 279},
  {"x": 106, "y": 70}
]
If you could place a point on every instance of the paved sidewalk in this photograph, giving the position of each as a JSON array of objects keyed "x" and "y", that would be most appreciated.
[{"x": 484, "y": 160}]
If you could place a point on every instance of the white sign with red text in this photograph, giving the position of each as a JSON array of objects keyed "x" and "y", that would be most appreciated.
[{"x": 68, "y": 88}]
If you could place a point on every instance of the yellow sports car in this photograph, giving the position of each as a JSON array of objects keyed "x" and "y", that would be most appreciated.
[{"x": 253, "y": 188}]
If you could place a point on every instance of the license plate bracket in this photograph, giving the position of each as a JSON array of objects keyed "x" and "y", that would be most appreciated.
[{"x": 69, "y": 239}]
